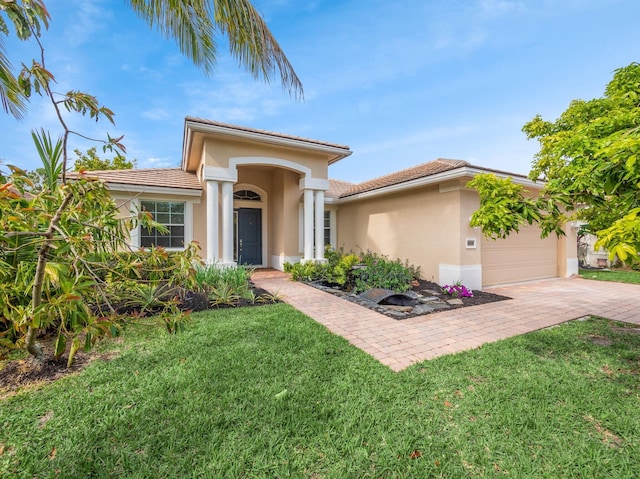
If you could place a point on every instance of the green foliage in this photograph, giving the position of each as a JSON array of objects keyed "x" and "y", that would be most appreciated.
[
  {"x": 356, "y": 273},
  {"x": 306, "y": 271},
  {"x": 588, "y": 159},
  {"x": 59, "y": 272},
  {"x": 90, "y": 161},
  {"x": 225, "y": 286},
  {"x": 381, "y": 272},
  {"x": 27, "y": 18}
]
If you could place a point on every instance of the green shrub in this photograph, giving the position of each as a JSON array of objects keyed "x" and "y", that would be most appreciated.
[
  {"x": 308, "y": 271},
  {"x": 381, "y": 272},
  {"x": 225, "y": 286},
  {"x": 377, "y": 271}
]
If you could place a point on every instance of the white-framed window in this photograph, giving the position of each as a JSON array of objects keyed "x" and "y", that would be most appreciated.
[{"x": 171, "y": 214}]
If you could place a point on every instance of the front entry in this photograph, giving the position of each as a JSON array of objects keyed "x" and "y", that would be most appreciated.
[{"x": 249, "y": 236}]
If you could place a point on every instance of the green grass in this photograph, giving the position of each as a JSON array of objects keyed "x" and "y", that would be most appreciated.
[
  {"x": 616, "y": 275},
  {"x": 266, "y": 392}
]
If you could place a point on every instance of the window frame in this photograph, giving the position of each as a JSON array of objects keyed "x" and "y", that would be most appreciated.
[{"x": 136, "y": 234}]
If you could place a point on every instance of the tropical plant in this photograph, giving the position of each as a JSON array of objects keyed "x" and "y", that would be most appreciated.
[
  {"x": 193, "y": 24},
  {"x": 589, "y": 162}
]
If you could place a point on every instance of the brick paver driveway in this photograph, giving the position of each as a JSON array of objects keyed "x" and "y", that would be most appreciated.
[{"x": 399, "y": 344}]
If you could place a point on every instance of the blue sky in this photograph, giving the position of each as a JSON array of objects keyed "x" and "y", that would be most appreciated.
[{"x": 400, "y": 82}]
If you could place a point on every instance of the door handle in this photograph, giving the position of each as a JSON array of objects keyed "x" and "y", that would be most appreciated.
[{"x": 240, "y": 245}]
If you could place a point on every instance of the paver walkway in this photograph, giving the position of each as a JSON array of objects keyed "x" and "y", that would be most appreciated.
[{"x": 399, "y": 344}]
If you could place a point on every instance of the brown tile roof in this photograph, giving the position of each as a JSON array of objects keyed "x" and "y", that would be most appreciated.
[
  {"x": 265, "y": 132},
  {"x": 413, "y": 173},
  {"x": 157, "y": 177},
  {"x": 337, "y": 187}
]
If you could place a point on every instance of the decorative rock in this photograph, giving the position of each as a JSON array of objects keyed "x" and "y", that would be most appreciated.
[
  {"x": 403, "y": 309},
  {"x": 423, "y": 309},
  {"x": 454, "y": 301},
  {"x": 431, "y": 292},
  {"x": 428, "y": 299},
  {"x": 440, "y": 305}
]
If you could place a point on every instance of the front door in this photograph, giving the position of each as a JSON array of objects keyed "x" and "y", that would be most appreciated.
[{"x": 249, "y": 236}]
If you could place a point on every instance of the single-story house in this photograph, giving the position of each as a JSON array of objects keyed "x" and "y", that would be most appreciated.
[{"x": 261, "y": 198}]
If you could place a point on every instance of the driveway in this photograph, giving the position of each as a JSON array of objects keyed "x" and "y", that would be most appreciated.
[{"x": 399, "y": 344}]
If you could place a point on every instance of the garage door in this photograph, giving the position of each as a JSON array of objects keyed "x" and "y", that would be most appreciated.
[{"x": 520, "y": 257}]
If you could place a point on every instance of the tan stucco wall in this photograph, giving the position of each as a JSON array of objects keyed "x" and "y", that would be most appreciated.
[
  {"x": 421, "y": 225},
  {"x": 218, "y": 152},
  {"x": 284, "y": 206}
]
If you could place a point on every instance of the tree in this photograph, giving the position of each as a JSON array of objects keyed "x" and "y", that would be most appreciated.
[
  {"x": 194, "y": 25},
  {"x": 90, "y": 161},
  {"x": 589, "y": 160},
  {"x": 59, "y": 243}
]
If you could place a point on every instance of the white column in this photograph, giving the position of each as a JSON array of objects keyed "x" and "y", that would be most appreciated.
[
  {"x": 319, "y": 198},
  {"x": 308, "y": 225},
  {"x": 227, "y": 223},
  {"x": 213, "y": 225}
]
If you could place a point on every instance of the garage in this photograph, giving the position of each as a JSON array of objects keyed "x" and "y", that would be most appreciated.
[{"x": 520, "y": 257}]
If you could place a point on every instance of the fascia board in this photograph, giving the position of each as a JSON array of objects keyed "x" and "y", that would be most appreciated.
[{"x": 435, "y": 179}]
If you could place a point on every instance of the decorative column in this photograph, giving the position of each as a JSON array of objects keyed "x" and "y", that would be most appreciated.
[
  {"x": 308, "y": 225},
  {"x": 319, "y": 199},
  {"x": 213, "y": 227},
  {"x": 227, "y": 223}
]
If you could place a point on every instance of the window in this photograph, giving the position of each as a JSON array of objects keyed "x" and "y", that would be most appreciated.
[
  {"x": 246, "y": 195},
  {"x": 170, "y": 214},
  {"x": 327, "y": 227}
]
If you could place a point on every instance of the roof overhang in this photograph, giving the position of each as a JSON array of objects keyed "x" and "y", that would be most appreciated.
[
  {"x": 453, "y": 174},
  {"x": 160, "y": 190},
  {"x": 195, "y": 131}
]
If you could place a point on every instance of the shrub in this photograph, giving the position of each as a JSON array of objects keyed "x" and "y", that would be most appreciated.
[
  {"x": 377, "y": 271},
  {"x": 225, "y": 286},
  {"x": 381, "y": 272}
]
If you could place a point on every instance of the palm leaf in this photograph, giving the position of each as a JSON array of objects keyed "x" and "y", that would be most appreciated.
[{"x": 194, "y": 25}]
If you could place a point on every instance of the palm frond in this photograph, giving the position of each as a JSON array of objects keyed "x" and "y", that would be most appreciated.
[{"x": 195, "y": 23}]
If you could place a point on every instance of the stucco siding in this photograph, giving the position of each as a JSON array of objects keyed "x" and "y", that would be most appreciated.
[{"x": 421, "y": 226}]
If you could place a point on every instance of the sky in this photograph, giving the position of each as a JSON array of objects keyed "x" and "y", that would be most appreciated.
[{"x": 401, "y": 83}]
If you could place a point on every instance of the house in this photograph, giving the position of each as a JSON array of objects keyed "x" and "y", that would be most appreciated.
[{"x": 262, "y": 198}]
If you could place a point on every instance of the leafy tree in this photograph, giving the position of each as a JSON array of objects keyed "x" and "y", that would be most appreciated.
[
  {"x": 90, "y": 161},
  {"x": 60, "y": 268},
  {"x": 589, "y": 159}
]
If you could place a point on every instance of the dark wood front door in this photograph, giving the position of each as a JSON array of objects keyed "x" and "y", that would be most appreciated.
[{"x": 249, "y": 236}]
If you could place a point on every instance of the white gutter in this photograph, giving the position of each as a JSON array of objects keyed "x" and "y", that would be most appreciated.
[{"x": 453, "y": 174}]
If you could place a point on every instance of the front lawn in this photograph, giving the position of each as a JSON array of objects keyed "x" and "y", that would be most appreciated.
[
  {"x": 267, "y": 392},
  {"x": 619, "y": 276}
]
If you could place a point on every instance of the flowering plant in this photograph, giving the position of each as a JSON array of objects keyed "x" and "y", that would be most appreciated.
[{"x": 458, "y": 291}]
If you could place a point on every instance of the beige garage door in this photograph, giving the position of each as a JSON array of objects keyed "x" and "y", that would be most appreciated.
[{"x": 520, "y": 257}]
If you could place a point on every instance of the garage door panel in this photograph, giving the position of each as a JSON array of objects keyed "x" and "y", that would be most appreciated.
[{"x": 520, "y": 257}]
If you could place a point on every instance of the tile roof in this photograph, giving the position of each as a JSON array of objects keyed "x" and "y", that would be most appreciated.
[
  {"x": 413, "y": 173},
  {"x": 157, "y": 177},
  {"x": 337, "y": 187},
  {"x": 265, "y": 132}
]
